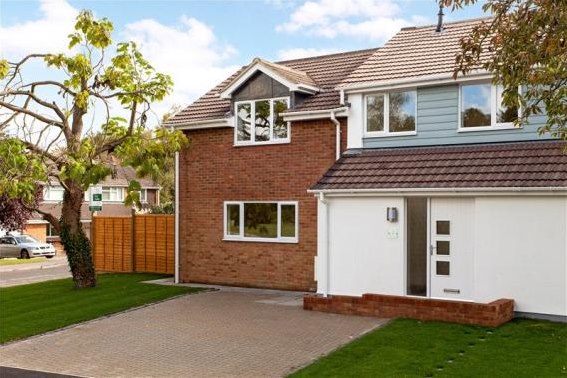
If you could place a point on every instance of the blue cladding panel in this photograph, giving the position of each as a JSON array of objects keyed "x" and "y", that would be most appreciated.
[{"x": 437, "y": 123}]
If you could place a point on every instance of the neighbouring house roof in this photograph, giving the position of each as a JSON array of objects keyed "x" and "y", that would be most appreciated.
[
  {"x": 121, "y": 176},
  {"x": 414, "y": 52},
  {"x": 539, "y": 164},
  {"x": 325, "y": 71}
]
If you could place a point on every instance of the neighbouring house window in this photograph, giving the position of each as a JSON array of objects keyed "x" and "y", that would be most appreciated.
[
  {"x": 144, "y": 195},
  {"x": 112, "y": 193},
  {"x": 261, "y": 221},
  {"x": 481, "y": 107},
  {"x": 392, "y": 113},
  {"x": 50, "y": 231},
  {"x": 53, "y": 193},
  {"x": 260, "y": 121}
]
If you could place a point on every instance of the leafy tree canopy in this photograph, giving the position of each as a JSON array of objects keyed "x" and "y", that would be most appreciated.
[{"x": 58, "y": 134}]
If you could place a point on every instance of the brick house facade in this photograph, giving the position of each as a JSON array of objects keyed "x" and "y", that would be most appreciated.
[
  {"x": 218, "y": 167},
  {"x": 405, "y": 213},
  {"x": 213, "y": 171}
]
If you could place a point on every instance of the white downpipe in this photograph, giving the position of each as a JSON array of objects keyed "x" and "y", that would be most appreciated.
[
  {"x": 338, "y": 135},
  {"x": 323, "y": 266},
  {"x": 177, "y": 217}
]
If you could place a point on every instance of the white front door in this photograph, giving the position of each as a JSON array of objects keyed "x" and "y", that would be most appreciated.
[{"x": 451, "y": 251}]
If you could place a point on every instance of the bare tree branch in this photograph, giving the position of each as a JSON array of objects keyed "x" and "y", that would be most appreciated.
[
  {"x": 39, "y": 101},
  {"x": 31, "y": 113},
  {"x": 51, "y": 82}
]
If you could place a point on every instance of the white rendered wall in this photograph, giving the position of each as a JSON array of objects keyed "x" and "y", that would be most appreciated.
[
  {"x": 366, "y": 252},
  {"x": 355, "y": 121},
  {"x": 520, "y": 252}
]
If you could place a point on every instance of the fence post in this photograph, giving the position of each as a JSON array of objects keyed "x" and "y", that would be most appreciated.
[
  {"x": 92, "y": 238},
  {"x": 133, "y": 240}
]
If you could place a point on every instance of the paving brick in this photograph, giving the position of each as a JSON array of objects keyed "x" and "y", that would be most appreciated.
[{"x": 214, "y": 334}]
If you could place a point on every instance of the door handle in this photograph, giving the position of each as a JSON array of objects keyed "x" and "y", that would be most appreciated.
[{"x": 431, "y": 248}]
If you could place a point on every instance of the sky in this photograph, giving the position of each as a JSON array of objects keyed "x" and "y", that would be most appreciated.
[{"x": 200, "y": 43}]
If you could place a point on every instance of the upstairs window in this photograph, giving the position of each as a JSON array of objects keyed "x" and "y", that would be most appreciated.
[
  {"x": 261, "y": 121},
  {"x": 53, "y": 193},
  {"x": 112, "y": 194},
  {"x": 481, "y": 107},
  {"x": 392, "y": 113}
]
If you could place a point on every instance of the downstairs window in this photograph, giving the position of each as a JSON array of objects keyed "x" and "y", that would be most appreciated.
[{"x": 261, "y": 221}]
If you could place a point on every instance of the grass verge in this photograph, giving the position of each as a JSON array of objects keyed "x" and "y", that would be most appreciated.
[
  {"x": 408, "y": 348},
  {"x": 28, "y": 310},
  {"x": 22, "y": 261}
]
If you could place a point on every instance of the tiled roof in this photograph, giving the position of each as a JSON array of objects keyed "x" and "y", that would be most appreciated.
[
  {"x": 414, "y": 52},
  {"x": 293, "y": 75},
  {"x": 326, "y": 71},
  {"x": 538, "y": 164},
  {"x": 123, "y": 175}
]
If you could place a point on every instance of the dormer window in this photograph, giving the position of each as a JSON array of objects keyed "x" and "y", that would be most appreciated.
[{"x": 261, "y": 121}]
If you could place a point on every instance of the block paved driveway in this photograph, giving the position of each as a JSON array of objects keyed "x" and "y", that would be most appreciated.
[{"x": 228, "y": 333}]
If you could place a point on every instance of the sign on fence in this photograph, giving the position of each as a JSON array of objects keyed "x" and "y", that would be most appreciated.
[{"x": 95, "y": 203}]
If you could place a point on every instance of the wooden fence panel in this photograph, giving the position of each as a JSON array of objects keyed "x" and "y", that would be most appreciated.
[{"x": 143, "y": 243}]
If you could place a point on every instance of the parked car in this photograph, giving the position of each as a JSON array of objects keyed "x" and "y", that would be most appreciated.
[{"x": 24, "y": 247}]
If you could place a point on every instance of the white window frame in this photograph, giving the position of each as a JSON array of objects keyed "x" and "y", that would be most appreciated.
[
  {"x": 252, "y": 141},
  {"x": 493, "y": 110},
  {"x": 47, "y": 193},
  {"x": 116, "y": 190},
  {"x": 386, "y": 132},
  {"x": 278, "y": 239}
]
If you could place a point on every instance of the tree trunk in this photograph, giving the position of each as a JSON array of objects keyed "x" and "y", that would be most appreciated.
[{"x": 76, "y": 243}]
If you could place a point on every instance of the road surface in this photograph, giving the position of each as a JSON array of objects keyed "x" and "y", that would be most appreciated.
[{"x": 11, "y": 275}]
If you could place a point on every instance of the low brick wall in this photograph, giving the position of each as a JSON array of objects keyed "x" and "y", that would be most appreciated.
[{"x": 490, "y": 314}]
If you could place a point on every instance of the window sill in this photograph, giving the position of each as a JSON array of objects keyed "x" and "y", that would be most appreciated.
[
  {"x": 504, "y": 126},
  {"x": 261, "y": 240},
  {"x": 250, "y": 144},
  {"x": 389, "y": 135}
]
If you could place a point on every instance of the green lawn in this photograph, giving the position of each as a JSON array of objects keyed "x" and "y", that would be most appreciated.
[
  {"x": 408, "y": 348},
  {"x": 28, "y": 310},
  {"x": 22, "y": 261}
]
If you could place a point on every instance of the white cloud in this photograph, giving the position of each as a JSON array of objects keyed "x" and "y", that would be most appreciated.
[
  {"x": 296, "y": 53},
  {"x": 374, "y": 19},
  {"x": 190, "y": 53},
  {"x": 46, "y": 34}
]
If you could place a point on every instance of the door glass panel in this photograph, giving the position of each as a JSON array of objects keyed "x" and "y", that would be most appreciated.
[
  {"x": 442, "y": 268},
  {"x": 443, "y": 227},
  {"x": 417, "y": 253},
  {"x": 443, "y": 247}
]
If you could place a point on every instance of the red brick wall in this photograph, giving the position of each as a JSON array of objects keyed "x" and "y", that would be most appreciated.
[
  {"x": 490, "y": 314},
  {"x": 212, "y": 171}
]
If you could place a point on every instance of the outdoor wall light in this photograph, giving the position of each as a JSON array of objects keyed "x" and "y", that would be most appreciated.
[{"x": 392, "y": 214}]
